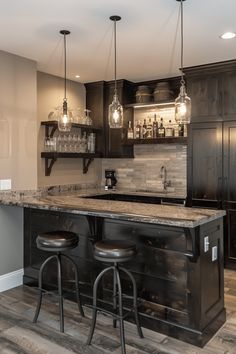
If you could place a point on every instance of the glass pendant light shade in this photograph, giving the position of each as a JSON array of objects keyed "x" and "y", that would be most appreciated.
[
  {"x": 183, "y": 107},
  {"x": 182, "y": 102},
  {"x": 64, "y": 120},
  {"x": 115, "y": 113}
]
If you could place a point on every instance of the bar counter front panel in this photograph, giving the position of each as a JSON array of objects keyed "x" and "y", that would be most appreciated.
[{"x": 181, "y": 289}]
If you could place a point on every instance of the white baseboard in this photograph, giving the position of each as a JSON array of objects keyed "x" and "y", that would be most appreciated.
[{"x": 11, "y": 280}]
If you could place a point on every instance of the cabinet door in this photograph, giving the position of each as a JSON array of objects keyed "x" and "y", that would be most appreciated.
[
  {"x": 205, "y": 93},
  {"x": 205, "y": 161},
  {"x": 229, "y": 161},
  {"x": 115, "y": 137},
  {"x": 230, "y": 239},
  {"x": 229, "y": 102},
  {"x": 95, "y": 100}
]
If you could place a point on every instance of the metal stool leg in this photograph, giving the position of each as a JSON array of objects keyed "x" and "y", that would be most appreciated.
[
  {"x": 140, "y": 333},
  {"x": 78, "y": 297},
  {"x": 122, "y": 332},
  {"x": 114, "y": 297},
  {"x": 40, "y": 291},
  {"x": 94, "y": 314},
  {"x": 60, "y": 292}
]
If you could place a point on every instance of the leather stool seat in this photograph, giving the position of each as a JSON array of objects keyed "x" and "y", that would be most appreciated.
[
  {"x": 114, "y": 250},
  {"x": 56, "y": 241}
]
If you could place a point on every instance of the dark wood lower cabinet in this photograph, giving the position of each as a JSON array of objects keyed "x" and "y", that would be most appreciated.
[
  {"x": 180, "y": 287},
  {"x": 230, "y": 237}
]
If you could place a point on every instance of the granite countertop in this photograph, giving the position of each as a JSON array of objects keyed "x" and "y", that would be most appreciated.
[{"x": 74, "y": 202}]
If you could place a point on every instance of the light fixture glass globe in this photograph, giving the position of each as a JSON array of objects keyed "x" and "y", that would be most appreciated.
[
  {"x": 183, "y": 107},
  {"x": 115, "y": 113},
  {"x": 65, "y": 119}
]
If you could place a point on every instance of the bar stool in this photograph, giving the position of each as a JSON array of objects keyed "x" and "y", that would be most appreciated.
[
  {"x": 115, "y": 251},
  {"x": 57, "y": 242}
]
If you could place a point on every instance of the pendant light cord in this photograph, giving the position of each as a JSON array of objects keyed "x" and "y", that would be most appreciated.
[
  {"x": 182, "y": 41},
  {"x": 115, "y": 55},
  {"x": 65, "y": 66}
]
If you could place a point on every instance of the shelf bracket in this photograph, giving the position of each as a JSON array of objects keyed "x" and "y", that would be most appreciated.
[
  {"x": 86, "y": 163},
  {"x": 49, "y": 162},
  {"x": 49, "y": 131}
]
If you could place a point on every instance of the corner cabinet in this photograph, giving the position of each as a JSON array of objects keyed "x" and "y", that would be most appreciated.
[
  {"x": 99, "y": 95},
  {"x": 52, "y": 156}
]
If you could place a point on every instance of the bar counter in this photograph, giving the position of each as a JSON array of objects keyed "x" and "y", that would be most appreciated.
[
  {"x": 80, "y": 203},
  {"x": 178, "y": 269}
]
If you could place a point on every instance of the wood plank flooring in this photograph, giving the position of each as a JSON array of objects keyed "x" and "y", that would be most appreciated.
[{"x": 19, "y": 335}]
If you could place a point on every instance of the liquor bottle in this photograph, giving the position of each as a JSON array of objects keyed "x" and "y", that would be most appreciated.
[
  {"x": 161, "y": 129},
  {"x": 149, "y": 129},
  {"x": 181, "y": 130},
  {"x": 130, "y": 132},
  {"x": 185, "y": 130},
  {"x": 144, "y": 130},
  {"x": 155, "y": 126},
  {"x": 137, "y": 133},
  {"x": 170, "y": 130}
]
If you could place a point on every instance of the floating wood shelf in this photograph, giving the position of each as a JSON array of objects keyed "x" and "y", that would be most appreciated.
[
  {"x": 51, "y": 158},
  {"x": 52, "y": 125},
  {"x": 169, "y": 140}
]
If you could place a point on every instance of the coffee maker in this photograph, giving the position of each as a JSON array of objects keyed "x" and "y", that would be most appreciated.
[{"x": 110, "y": 179}]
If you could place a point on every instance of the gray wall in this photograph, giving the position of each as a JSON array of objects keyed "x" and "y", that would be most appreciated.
[
  {"x": 18, "y": 121},
  {"x": 11, "y": 238},
  {"x": 50, "y": 93}
]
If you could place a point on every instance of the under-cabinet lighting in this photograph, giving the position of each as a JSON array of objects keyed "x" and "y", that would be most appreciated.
[{"x": 154, "y": 104}]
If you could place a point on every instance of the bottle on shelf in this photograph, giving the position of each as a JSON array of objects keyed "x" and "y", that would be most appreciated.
[
  {"x": 130, "y": 132},
  {"x": 181, "y": 130},
  {"x": 161, "y": 129},
  {"x": 137, "y": 133},
  {"x": 144, "y": 130},
  {"x": 155, "y": 126},
  {"x": 185, "y": 129},
  {"x": 169, "y": 130},
  {"x": 149, "y": 129}
]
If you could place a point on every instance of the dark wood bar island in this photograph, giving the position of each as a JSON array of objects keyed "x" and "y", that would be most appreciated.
[{"x": 178, "y": 269}]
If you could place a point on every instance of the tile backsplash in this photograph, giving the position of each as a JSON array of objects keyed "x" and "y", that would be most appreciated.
[{"x": 143, "y": 173}]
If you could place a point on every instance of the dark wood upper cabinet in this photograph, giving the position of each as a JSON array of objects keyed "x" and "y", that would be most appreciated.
[
  {"x": 206, "y": 95},
  {"x": 212, "y": 88},
  {"x": 99, "y": 96},
  {"x": 114, "y": 138},
  {"x": 229, "y": 153},
  {"x": 229, "y": 97},
  {"x": 95, "y": 101},
  {"x": 205, "y": 162}
]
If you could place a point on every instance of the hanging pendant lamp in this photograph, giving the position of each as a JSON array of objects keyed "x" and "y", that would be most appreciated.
[
  {"x": 115, "y": 108},
  {"x": 182, "y": 102},
  {"x": 64, "y": 121}
]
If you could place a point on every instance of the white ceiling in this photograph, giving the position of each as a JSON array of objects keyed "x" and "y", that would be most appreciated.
[{"x": 147, "y": 47}]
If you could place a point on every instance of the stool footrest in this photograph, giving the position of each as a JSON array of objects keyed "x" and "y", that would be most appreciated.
[{"x": 114, "y": 315}]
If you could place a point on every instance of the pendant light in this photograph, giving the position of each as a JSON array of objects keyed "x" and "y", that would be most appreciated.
[
  {"x": 64, "y": 121},
  {"x": 115, "y": 108},
  {"x": 182, "y": 102}
]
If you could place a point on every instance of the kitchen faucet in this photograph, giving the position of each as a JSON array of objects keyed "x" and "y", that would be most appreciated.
[{"x": 163, "y": 175}]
